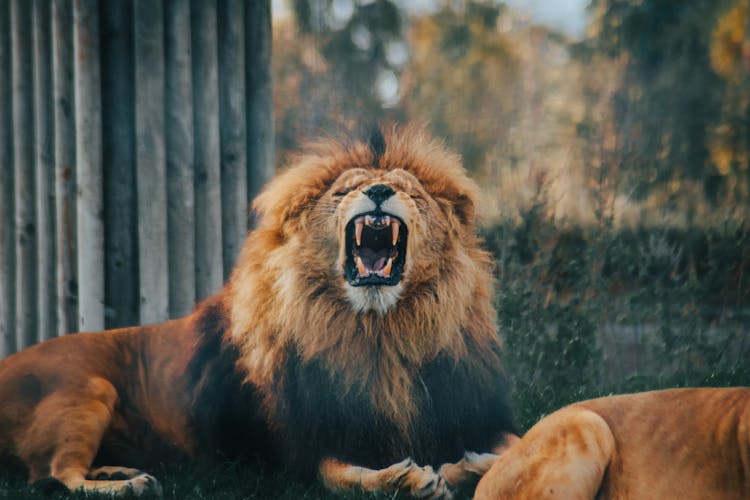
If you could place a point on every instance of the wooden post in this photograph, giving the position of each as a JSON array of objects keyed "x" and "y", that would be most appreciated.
[
  {"x": 65, "y": 173},
  {"x": 7, "y": 225},
  {"x": 45, "y": 169},
  {"x": 233, "y": 124},
  {"x": 23, "y": 155},
  {"x": 260, "y": 135},
  {"x": 89, "y": 208},
  {"x": 151, "y": 160},
  {"x": 208, "y": 254},
  {"x": 121, "y": 251},
  {"x": 180, "y": 150}
]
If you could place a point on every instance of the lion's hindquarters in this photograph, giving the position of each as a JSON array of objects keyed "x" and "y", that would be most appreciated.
[
  {"x": 564, "y": 456},
  {"x": 64, "y": 435}
]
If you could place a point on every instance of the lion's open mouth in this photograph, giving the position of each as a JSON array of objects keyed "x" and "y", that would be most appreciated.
[{"x": 375, "y": 249}]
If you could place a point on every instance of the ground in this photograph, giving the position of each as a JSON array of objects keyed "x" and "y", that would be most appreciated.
[{"x": 226, "y": 481}]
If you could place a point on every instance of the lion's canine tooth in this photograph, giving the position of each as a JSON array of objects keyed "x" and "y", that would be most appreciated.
[
  {"x": 387, "y": 268},
  {"x": 394, "y": 228},
  {"x": 358, "y": 225},
  {"x": 361, "y": 269}
]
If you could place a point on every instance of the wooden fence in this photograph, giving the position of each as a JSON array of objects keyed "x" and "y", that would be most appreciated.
[{"x": 132, "y": 135}]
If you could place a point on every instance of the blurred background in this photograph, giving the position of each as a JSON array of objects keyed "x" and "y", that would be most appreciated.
[{"x": 611, "y": 140}]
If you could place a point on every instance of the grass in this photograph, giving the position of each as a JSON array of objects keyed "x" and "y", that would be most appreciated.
[{"x": 201, "y": 481}]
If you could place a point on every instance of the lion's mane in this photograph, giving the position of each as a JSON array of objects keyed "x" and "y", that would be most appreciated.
[{"x": 422, "y": 380}]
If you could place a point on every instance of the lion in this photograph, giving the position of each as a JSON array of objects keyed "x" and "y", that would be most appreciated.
[
  {"x": 669, "y": 444},
  {"x": 355, "y": 342}
]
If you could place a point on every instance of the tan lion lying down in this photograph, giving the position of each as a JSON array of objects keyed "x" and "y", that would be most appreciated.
[{"x": 672, "y": 444}]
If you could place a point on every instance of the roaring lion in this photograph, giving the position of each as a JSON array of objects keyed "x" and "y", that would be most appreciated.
[
  {"x": 355, "y": 342},
  {"x": 672, "y": 444}
]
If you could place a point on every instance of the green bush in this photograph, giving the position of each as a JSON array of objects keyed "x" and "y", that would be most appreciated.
[{"x": 593, "y": 311}]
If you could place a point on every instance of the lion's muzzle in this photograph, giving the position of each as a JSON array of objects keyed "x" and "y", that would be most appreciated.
[{"x": 375, "y": 249}]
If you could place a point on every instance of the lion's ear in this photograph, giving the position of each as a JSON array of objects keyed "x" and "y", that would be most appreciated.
[
  {"x": 274, "y": 208},
  {"x": 284, "y": 198},
  {"x": 463, "y": 206},
  {"x": 459, "y": 207}
]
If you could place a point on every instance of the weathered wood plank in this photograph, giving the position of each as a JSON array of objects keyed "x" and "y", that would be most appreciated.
[
  {"x": 151, "y": 160},
  {"x": 208, "y": 254},
  {"x": 7, "y": 228},
  {"x": 65, "y": 172},
  {"x": 180, "y": 151},
  {"x": 23, "y": 156},
  {"x": 121, "y": 235},
  {"x": 45, "y": 169},
  {"x": 233, "y": 126},
  {"x": 89, "y": 175},
  {"x": 260, "y": 135}
]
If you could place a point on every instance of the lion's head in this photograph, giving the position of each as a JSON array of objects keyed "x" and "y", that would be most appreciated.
[
  {"x": 378, "y": 222},
  {"x": 365, "y": 257}
]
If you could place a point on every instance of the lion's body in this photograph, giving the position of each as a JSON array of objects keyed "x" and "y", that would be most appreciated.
[
  {"x": 294, "y": 359},
  {"x": 143, "y": 366},
  {"x": 672, "y": 444}
]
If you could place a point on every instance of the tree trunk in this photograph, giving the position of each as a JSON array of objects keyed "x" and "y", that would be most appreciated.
[
  {"x": 233, "y": 136},
  {"x": 65, "y": 172},
  {"x": 7, "y": 228},
  {"x": 180, "y": 151},
  {"x": 151, "y": 160},
  {"x": 260, "y": 136},
  {"x": 89, "y": 207},
  {"x": 45, "y": 169},
  {"x": 208, "y": 255},
  {"x": 23, "y": 155},
  {"x": 121, "y": 236}
]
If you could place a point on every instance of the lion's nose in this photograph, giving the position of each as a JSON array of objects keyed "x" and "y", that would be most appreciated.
[{"x": 379, "y": 193}]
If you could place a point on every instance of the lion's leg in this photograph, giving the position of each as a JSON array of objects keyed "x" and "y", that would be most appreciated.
[
  {"x": 405, "y": 476},
  {"x": 469, "y": 469},
  {"x": 473, "y": 466},
  {"x": 64, "y": 436},
  {"x": 564, "y": 457}
]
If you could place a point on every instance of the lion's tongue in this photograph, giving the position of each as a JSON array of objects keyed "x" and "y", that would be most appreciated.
[{"x": 374, "y": 260}]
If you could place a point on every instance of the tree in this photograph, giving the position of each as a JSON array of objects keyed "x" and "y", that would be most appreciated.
[{"x": 671, "y": 97}]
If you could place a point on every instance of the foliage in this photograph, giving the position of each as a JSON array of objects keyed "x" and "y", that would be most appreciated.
[
  {"x": 592, "y": 311},
  {"x": 682, "y": 107},
  {"x": 331, "y": 65},
  {"x": 462, "y": 79}
]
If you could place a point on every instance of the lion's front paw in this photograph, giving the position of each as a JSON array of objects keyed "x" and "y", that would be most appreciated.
[
  {"x": 145, "y": 484},
  {"x": 117, "y": 481},
  {"x": 420, "y": 482},
  {"x": 109, "y": 473}
]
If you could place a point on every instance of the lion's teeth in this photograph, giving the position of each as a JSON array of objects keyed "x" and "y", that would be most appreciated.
[
  {"x": 387, "y": 268},
  {"x": 394, "y": 228},
  {"x": 358, "y": 224},
  {"x": 377, "y": 222},
  {"x": 361, "y": 269}
]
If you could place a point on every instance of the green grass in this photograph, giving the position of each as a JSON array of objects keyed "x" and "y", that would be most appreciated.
[{"x": 194, "y": 481}]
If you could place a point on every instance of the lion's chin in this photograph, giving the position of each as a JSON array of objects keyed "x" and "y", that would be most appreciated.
[{"x": 373, "y": 298}]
